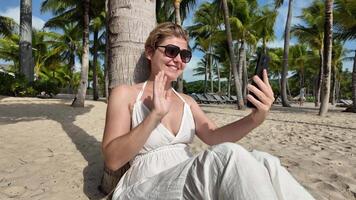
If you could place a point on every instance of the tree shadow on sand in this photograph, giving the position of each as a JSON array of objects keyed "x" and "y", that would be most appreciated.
[{"x": 87, "y": 145}]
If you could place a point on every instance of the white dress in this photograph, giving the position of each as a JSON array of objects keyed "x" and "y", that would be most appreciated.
[{"x": 165, "y": 169}]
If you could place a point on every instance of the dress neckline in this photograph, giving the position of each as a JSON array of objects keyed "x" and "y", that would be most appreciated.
[{"x": 138, "y": 100}]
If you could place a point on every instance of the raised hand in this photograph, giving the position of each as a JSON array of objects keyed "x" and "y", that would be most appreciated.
[
  {"x": 161, "y": 97},
  {"x": 265, "y": 94}
]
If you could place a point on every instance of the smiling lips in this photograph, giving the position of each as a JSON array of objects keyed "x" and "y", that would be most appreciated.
[{"x": 173, "y": 67}]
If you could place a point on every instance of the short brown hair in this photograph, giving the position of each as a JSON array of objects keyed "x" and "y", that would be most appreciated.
[{"x": 163, "y": 31}]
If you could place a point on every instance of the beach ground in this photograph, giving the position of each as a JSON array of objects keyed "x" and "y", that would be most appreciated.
[{"x": 49, "y": 150}]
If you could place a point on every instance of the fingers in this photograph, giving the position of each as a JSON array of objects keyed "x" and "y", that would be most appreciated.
[
  {"x": 264, "y": 85},
  {"x": 263, "y": 92}
]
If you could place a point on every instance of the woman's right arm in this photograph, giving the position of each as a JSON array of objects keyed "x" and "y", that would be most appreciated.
[{"x": 120, "y": 144}]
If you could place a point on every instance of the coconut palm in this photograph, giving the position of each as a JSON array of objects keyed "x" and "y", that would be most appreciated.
[
  {"x": 285, "y": 102},
  {"x": 26, "y": 62},
  {"x": 204, "y": 27},
  {"x": 126, "y": 35},
  {"x": 240, "y": 103},
  {"x": 7, "y": 26},
  {"x": 345, "y": 18},
  {"x": 313, "y": 34},
  {"x": 325, "y": 90}
]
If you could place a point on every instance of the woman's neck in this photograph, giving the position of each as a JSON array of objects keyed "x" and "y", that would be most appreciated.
[{"x": 167, "y": 86}]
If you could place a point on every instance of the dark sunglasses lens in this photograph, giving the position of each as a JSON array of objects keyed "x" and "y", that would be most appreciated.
[
  {"x": 171, "y": 51},
  {"x": 186, "y": 55}
]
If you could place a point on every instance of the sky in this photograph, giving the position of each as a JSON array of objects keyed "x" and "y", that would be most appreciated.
[{"x": 11, "y": 8}]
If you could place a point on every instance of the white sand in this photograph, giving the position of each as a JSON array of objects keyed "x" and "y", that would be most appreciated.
[{"x": 49, "y": 150}]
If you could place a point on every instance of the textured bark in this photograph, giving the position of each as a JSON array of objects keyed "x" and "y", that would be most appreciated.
[
  {"x": 106, "y": 66},
  {"x": 26, "y": 60},
  {"x": 328, "y": 31},
  {"x": 284, "y": 96},
  {"x": 240, "y": 103},
  {"x": 244, "y": 79},
  {"x": 130, "y": 23},
  {"x": 82, "y": 90},
  {"x": 319, "y": 80},
  {"x": 95, "y": 63},
  {"x": 178, "y": 21}
]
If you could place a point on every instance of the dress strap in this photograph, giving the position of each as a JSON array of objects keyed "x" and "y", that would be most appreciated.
[
  {"x": 178, "y": 95},
  {"x": 141, "y": 91}
]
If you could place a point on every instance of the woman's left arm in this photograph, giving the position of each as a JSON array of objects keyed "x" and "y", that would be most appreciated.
[{"x": 208, "y": 132}]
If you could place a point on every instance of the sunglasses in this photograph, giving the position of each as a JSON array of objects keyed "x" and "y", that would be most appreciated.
[{"x": 172, "y": 51}]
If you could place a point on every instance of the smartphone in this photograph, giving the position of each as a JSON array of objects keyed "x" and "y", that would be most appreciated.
[{"x": 262, "y": 63}]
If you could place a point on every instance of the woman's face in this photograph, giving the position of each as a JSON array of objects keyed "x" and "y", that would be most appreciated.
[{"x": 161, "y": 57}]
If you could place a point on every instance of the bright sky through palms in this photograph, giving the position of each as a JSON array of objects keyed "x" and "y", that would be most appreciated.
[{"x": 11, "y": 8}]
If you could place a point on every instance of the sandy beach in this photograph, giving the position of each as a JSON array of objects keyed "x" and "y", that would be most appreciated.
[{"x": 49, "y": 150}]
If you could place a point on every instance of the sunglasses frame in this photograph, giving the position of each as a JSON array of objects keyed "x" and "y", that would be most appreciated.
[{"x": 178, "y": 50}]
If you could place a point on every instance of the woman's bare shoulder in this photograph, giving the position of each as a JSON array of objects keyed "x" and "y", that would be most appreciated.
[
  {"x": 190, "y": 101},
  {"x": 125, "y": 94}
]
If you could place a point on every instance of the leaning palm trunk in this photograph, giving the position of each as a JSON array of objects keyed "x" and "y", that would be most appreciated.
[
  {"x": 285, "y": 102},
  {"x": 129, "y": 24},
  {"x": 325, "y": 90},
  {"x": 240, "y": 103},
  {"x": 80, "y": 98},
  {"x": 26, "y": 60},
  {"x": 178, "y": 21}
]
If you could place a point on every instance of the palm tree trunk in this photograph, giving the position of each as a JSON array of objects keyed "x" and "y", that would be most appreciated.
[
  {"x": 26, "y": 60},
  {"x": 130, "y": 23},
  {"x": 353, "y": 109},
  {"x": 178, "y": 21},
  {"x": 107, "y": 47},
  {"x": 333, "y": 85},
  {"x": 80, "y": 98},
  {"x": 206, "y": 76},
  {"x": 285, "y": 102},
  {"x": 244, "y": 78},
  {"x": 95, "y": 63},
  {"x": 229, "y": 83},
  {"x": 240, "y": 103},
  {"x": 218, "y": 74},
  {"x": 328, "y": 28},
  {"x": 319, "y": 80},
  {"x": 241, "y": 60},
  {"x": 211, "y": 74}
]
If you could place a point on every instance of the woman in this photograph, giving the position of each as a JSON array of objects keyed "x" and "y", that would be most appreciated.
[{"x": 150, "y": 125}]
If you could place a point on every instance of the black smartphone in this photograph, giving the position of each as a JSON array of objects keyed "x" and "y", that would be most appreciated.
[{"x": 262, "y": 63}]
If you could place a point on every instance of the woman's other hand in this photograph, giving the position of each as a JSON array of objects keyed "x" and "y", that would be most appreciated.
[
  {"x": 265, "y": 96},
  {"x": 161, "y": 97}
]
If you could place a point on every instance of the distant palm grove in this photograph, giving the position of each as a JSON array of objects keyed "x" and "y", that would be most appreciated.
[{"x": 107, "y": 38}]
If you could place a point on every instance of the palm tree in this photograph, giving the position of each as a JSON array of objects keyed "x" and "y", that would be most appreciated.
[
  {"x": 325, "y": 90},
  {"x": 26, "y": 62},
  {"x": 313, "y": 34},
  {"x": 129, "y": 22},
  {"x": 240, "y": 103},
  {"x": 345, "y": 18},
  {"x": 98, "y": 24},
  {"x": 204, "y": 28},
  {"x": 285, "y": 102},
  {"x": 164, "y": 13},
  {"x": 7, "y": 26}
]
